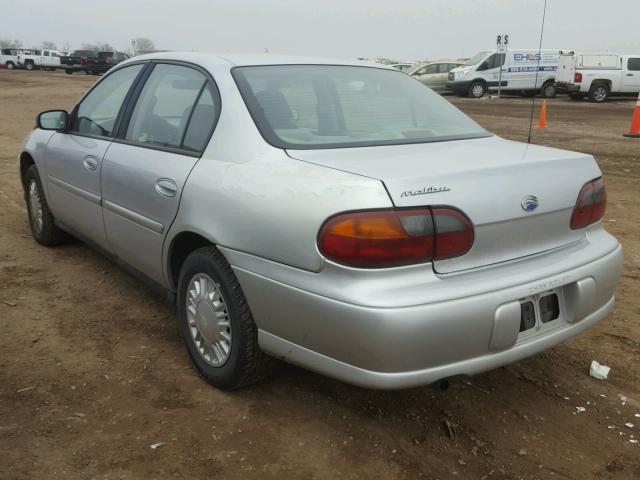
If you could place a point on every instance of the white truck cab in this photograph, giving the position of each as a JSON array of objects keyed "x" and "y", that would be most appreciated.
[
  {"x": 524, "y": 71},
  {"x": 598, "y": 75}
]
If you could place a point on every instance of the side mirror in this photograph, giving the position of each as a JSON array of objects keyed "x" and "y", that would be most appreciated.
[{"x": 52, "y": 120}]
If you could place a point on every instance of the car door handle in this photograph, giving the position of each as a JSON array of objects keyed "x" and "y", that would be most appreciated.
[
  {"x": 629, "y": 74},
  {"x": 166, "y": 187},
  {"x": 90, "y": 162}
]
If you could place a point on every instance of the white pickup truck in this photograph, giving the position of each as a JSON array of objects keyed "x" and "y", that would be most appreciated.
[
  {"x": 598, "y": 75},
  {"x": 34, "y": 58}
]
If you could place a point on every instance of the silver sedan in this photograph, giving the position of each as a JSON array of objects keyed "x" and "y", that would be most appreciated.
[{"x": 339, "y": 216}]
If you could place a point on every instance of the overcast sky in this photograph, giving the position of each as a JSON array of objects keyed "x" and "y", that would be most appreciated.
[{"x": 403, "y": 29}]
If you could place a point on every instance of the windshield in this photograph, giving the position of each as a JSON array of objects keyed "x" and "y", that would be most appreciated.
[
  {"x": 477, "y": 58},
  {"x": 329, "y": 106}
]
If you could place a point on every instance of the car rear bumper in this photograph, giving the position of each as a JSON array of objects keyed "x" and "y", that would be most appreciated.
[
  {"x": 466, "y": 323},
  {"x": 567, "y": 87}
]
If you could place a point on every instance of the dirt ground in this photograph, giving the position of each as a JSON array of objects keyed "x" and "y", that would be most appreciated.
[{"x": 92, "y": 371}]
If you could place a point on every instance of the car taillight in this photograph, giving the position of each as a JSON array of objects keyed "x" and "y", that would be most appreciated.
[
  {"x": 108, "y": 61},
  {"x": 591, "y": 203},
  {"x": 391, "y": 238},
  {"x": 577, "y": 77}
]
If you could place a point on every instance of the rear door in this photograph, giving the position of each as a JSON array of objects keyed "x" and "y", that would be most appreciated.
[
  {"x": 74, "y": 157},
  {"x": 144, "y": 171},
  {"x": 566, "y": 68},
  {"x": 631, "y": 79}
]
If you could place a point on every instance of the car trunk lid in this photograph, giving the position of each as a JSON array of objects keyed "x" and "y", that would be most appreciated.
[{"x": 491, "y": 180}]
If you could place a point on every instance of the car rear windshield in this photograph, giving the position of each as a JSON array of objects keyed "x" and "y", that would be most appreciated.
[
  {"x": 332, "y": 106},
  {"x": 105, "y": 54}
]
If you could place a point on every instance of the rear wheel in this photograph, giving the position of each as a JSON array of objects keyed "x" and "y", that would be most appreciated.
[
  {"x": 68, "y": 71},
  {"x": 477, "y": 89},
  {"x": 548, "y": 90},
  {"x": 216, "y": 324},
  {"x": 599, "y": 93},
  {"x": 41, "y": 219},
  {"x": 10, "y": 65},
  {"x": 29, "y": 66}
]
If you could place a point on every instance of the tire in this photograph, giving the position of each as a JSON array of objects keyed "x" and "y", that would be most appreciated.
[
  {"x": 548, "y": 90},
  {"x": 68, "y": 71},
  {"x": 29, "y": 66},
  {"x": 10, "y": 65},
  {"x": 477, "y": 89},
  {"x": 41, "y": 219},
  {"x": 599, "y": 93},
  {"x": 576, "y": 96},
  {"x": 206, "y": 271}
]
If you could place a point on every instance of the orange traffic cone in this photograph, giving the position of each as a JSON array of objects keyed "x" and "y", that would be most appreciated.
[
  {"x": 542, "y": 122},
  {"x": 634, "y": 131}
]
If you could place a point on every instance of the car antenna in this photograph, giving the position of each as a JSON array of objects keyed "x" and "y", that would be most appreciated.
[{"x": 533, "y": 100}]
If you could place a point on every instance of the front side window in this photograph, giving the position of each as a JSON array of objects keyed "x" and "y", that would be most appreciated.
[
  {"x": 98, "y": 111},
  {"x": 330, "y": 106},
  {"x": 164, "y": 107}
]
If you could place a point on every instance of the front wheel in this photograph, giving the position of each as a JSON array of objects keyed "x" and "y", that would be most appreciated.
[
  {"x": 41, "y": 221},
  {"x": 599, "y": 93},
  {"x": 549, "y": 90},
  {"x": 477, "y": 90},
  {"x": 29, "y": 66},
  {"x": 216, "y": 324},
  {"x": 10, "y": 65}
]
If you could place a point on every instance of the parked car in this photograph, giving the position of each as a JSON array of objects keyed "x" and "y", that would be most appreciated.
[
  {"x": 78, "y": 60},
  {"x": 9, "y": 58},
  {"x": 434, "y": 74},
  {"x": 34, "y": 58},
  {"x": 525, "y": 71},
  {"x": 598, "y": 75},
  {"x": 336, "y": 215},
  {"x": 404, "y": 67},
  {"x": 104, "y": 61}
]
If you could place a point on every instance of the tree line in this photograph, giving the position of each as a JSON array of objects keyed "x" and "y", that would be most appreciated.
[{"x": 137, "y": 45}]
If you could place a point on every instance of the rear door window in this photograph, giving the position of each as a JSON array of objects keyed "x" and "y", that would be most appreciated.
[
  {"x": 164, "y": 107},
  {"x": 634, "y": 64}
]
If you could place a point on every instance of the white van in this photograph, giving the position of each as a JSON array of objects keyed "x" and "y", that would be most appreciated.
[
  {"x": 598, "y": 75},
  {"x": 519, "y": 67}
]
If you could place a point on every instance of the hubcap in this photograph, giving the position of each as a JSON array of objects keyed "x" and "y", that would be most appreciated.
[
  {"x": 477, "y": 90},
  {"x": 35, "y": 206},
  {"x": 599, "y": 93},
  {"x": 208, "y": 320}
]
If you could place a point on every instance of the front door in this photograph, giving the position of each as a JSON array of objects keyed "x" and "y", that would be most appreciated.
[
  {"x": 74, "y": 157},
  {"x": 143, "y": 173}
]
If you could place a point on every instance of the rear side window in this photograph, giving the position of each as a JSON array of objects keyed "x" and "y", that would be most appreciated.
[
  {"x": 163, "y": 110},
  {"x": 202, "y": 121},
  {"x": 634, "y": 64},
  {"x": 98, "y": 111}
]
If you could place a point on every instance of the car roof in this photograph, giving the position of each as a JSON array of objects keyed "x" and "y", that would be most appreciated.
[{"x": 243, "y": 59}]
